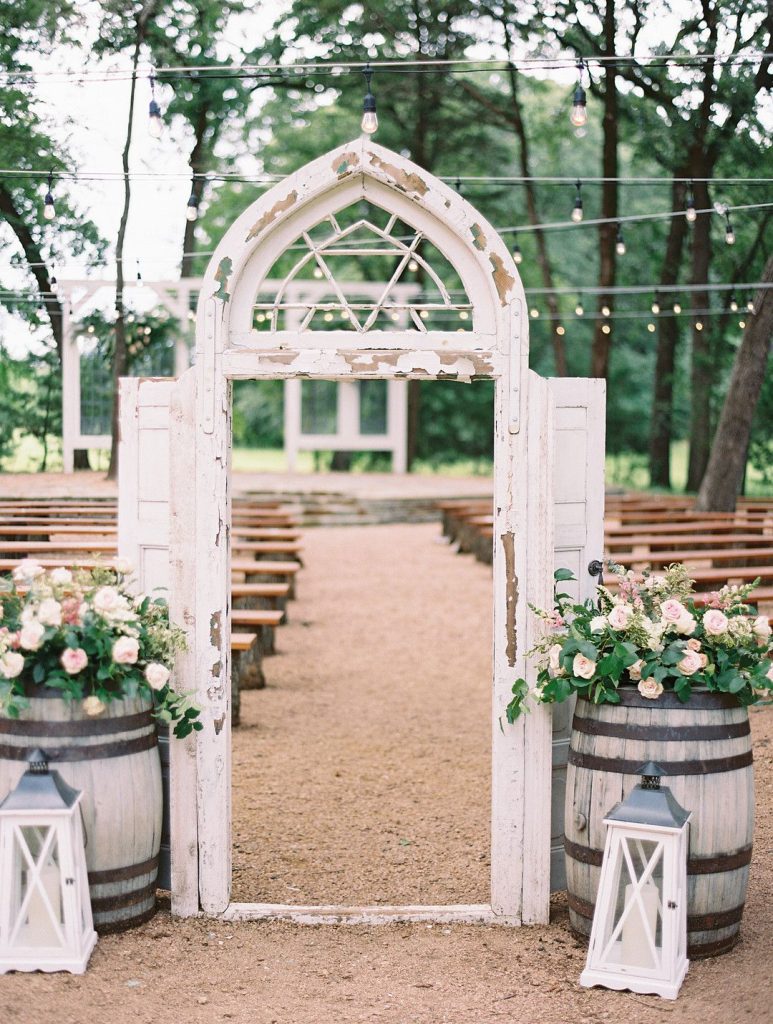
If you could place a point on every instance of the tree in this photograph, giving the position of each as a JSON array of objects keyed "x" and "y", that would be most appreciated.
[{"x": 725, "y": 471}]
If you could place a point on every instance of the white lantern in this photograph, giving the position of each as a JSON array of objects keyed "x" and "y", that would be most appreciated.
[
  {"x": 639, "y": 935},
  {"x": 45, "y": 912}
]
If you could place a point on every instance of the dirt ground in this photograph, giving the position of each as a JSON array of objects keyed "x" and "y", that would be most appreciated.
[{"x": 361, "y": 775}]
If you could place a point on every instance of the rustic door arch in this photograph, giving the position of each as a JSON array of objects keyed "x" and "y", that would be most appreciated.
[{"x": 481, "y": 332}]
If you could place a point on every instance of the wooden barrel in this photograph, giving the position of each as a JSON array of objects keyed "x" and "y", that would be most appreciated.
[
  {"x": 114, "y": 760},
  {"x": 704, "y": 748}
]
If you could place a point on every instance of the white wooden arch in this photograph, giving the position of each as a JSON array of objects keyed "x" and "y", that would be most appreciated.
[{"x": 228, "y": 347}]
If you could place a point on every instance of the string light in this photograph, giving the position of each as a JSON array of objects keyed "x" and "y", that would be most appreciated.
[
  {"x": 651, "y": 327},
  {"x": 690, "y": 212},
  {"x": 560, "y": 330},
  {"x": 577, "y": 211},
  {"x": 742, "y": 324},
  {"x": 534, "y": 313},
  {"x": 369, "y": 123},
  {"x": 413, "y": 266},
  {"x": 579, "y": 309},
  {"x": 698, "y": 325},
  {"x": 155, "y": 121},
  {"x": 606, "y": 329},
  {"x": 317, "y": 272},
  {"x": 192, "y": 210},
  {"x": 750, "y": 306},
  {"x": 677, "y": 307},
  {"x": 49, "y": 211},
  {"x": 578, "y": 115},
  {"x": 620, "y": 242},
  {"x": 733, "y": 303},
  {"x": 605, "y": 310},
  {"x": 729, "y": 233},
  {"x": 54, "y": 285},
  {"x": 517, "y": 254},
  {"x": 655, "y": 307}
]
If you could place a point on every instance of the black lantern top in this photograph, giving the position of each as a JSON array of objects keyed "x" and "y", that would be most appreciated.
[
  {"x": 649, "y": 803},
  {"x": 40, "y": 789}
]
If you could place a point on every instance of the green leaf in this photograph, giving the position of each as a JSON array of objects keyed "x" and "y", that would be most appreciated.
[{"x": 560, "y": 575}]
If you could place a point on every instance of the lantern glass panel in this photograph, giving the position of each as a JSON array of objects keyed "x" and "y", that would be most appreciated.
[
  {"x": 634, "y": 934},
  {"x": 36, "y": 899}
]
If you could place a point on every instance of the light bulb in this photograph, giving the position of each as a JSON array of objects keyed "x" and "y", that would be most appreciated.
[
  {"x": 577, "y": 211},
  {"x": 579, "y": 310},
  {"x": 733, "y": 303},
  {"x": 729, "y": 233},
  {"x": 750, "y": 306},
  {"x": 423, "y": 314},
  {"x": 54, "y": 286},
  {"x": 517, "y": 254},
  {"x": 690, "y": 214},
  {"x": 463, "y": 314},
  {"x": 534, "y": 313},
  {"x": 318, "y": 272},
  {"x": 369, "y": 122},
  {"x": 742, "y": 324},
  {"x": 413, "y": 266},
  {"x": 677, "y": 307},
  {"x": 651, "y": 327},
  {"x": 605, "y": 310},
  {"x": 620, "y": 244},
  {"x": 328, "y": 317},
  {"x": 192, "y": 210},
  {"x": 49, "y": 211},
  {"x": 698, "y": 325},
  {"x": 579, "y": 112},
  {"x": 605, "y": 329},
  {"x": 655, "y": 307},
  {"x": 560, "y": 330}
]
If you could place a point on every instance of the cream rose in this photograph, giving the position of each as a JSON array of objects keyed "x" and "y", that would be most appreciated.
[
  {"x": 157, "y": 675},
  {"x": 11, "y": 664},
  {"x": 27, "y": 570},
  {"x": 554, "y": 665},
  {"x": 74, "y": 660},
  {"x": 31, "y": 635},
  {"x": 650, "y": 688},
  {"x": 598, "y": 623},
  {"x": 693, "y": 644},
  {"x": 92, "y": 706},
  {"x": 60, "y": 576},
  {"x": 50, "y": 612},
  {"x": 620, "y": 616},
  {"x": 122, "y": 565},
  {"x": 691, "y": 662},
  {"x": 685, "y": 624},
  {"x": 126, "y": 650},
  {"x": 634, "y": 671},
  {"x": 715, "y": 622},
  {"x": 583, "y": 667},
  {"x": 107, "y": 601}
]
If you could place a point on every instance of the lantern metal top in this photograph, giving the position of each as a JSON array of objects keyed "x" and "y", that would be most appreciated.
[
  {"x": 649, "y": 803},
  {"x": 40, "y": 789}
]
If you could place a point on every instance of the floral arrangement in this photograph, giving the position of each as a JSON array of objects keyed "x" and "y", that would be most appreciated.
[
  {"x": 652, "y": 634},
  {"x": 81, "y": 632}
]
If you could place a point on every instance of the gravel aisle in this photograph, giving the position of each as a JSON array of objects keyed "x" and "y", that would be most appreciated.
[{"x": 361, "y": 774}]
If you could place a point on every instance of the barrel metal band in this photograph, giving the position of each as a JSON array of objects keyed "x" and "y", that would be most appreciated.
[
  {"x": 695, "y": 865},
  {"x": 83, "y": 727},
  {"x": 622, "y": 766},
  {"x": 101, "y": 904},
  {"x": 109, "y": 927},
  {"x": 703, "y": 699},
  {"x": 695, "y": 922},
  {"x": 667, "y": 733},
  {"x": 121, "y": 874},
  {"x": 59, "y": 755}
]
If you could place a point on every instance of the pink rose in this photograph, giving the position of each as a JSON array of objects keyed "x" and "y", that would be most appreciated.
[
  {"x": 761, "y": 628},
  {"x": 71, "y": 611},
  {"x": 583, "y": 667},
  {"x": 620, "y": 616},
  {"x": 691, "y": 662},
  {"x": 126, "y": 650},
  {"x": 693, "y": 644},
  {"x": 673, "y": 610},
  {"x": 650, "y": 688},
  {"x": 74, "y": 660},
  {"x": 634, "y": 671},
  {"x": 715, "y": 622},
  {"x": 157, "y": 675}
]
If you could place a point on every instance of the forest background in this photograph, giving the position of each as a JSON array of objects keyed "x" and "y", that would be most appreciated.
[{"x": 678, "y": 94}]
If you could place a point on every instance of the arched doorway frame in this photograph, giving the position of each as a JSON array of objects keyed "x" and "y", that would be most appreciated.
[{"x": 228, "y": 348}]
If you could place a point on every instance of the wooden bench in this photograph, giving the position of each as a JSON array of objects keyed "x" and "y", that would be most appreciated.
[{"x": 262, "y": 621}]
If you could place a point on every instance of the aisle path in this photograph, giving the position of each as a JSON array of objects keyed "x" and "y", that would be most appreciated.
[{"x": 361, "y": 774}]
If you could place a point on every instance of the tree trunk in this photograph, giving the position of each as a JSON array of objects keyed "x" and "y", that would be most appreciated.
[
  {"x": 668, "y": 337},
  {"x": 602, "y": 342},
  {"x": 120, "y": 353},
  {"x": 724, "y": 475},
  {"x": 701, "y": 361},
  {"x": 80, "y": 458},
  {"x": 196, "y": 162}
]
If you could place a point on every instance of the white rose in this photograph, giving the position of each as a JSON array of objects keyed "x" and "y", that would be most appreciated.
[
  {"x": 123, "y": 566},
  {"x": 50, "y": 612},
  {"x": 685, "y": 624},
  {"x": 715, "y": 622},
  {"x": 31, "y": 635},
  {"x": 27, "y": 570},
  {"x": 126, "y": 650},
  {"x": 11, "y": 664},
  {"x": 760, "y": 627},
  {"x": 583, "y": 667},
  {"x": 650, "y": 688},
  {"x": 157, "y": 675},
  {"x": 106, "y": 601},
  {"x": 92, "y": 706},
  {"x": 620, "y": 616},
  {"x": 598, "y": 623},
  {"x": 61, "y": 576}
]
